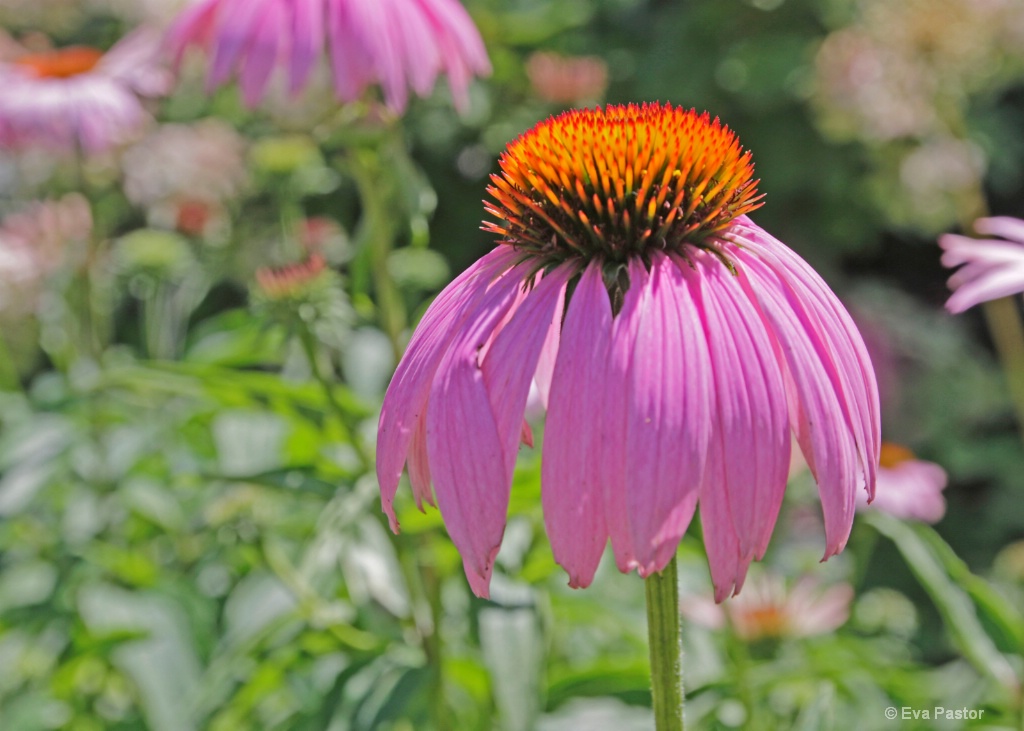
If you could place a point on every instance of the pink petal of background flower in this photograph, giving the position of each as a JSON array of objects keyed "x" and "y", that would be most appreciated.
[
  {"x": 400, "y": 45},
  {"x": 991, "y": 268}
]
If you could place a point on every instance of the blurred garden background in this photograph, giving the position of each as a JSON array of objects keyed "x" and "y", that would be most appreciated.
[{"x": 201, "y": 309}]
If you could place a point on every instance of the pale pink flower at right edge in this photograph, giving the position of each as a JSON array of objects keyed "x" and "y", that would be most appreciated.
[{"x": 992, "y": 268}]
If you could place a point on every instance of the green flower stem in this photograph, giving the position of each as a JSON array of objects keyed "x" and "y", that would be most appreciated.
[
  {"x": 10, "y": 380},
  {"x": 663, "y": 631},
  {"x": 421, "y": 579},
  {"x": 1007, "y": 331},
  {"x": 376, "y": 233},
  {"x": 309, "y": 346}
]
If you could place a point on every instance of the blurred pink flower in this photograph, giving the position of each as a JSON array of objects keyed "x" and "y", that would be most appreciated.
[
  {"x": 567, "y": 80},
  {"x": 400, "y": 44},
  {"x": 993, "y": 268},
  {"x": 290, "y": 280},
  {"x": 182, "y": 174},
  {"x": 768, "y": 609},
  {"x": 681, "y": 364},
  {"x": 34, "y": 242},
  {"x": 907, "y": 487},
  {"x": 80, "y": 97}
]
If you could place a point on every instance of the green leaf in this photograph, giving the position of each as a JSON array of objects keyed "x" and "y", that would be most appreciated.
[{"x": 952, "y": 601}]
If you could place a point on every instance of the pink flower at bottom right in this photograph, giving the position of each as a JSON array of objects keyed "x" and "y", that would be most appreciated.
[{"x": 907, "y": 488}]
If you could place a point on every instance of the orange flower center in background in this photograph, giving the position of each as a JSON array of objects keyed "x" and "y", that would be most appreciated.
[
  {"x": 620, "y": 181},
  {"x": 62, "y": 63},
  {"x": 893, "y": 454},
  {"x": 762, "y": 622}
]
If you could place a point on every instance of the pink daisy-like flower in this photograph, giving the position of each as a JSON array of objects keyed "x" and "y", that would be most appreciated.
[
  {"x": 675, "y": 344},
  {"x": 993, "y": 268},
  {"x": 770, "y": 609},
  {"x": 907, "y": 487},
  {"x": 399, "y": 44},
  {"x": 79, "y": 96}
]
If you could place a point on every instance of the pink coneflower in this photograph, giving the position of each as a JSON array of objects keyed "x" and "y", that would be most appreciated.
[
  {"x": 993, "y": 268},
  {"x": 908, "y": 488},
  {"x": 674, "y": 341},
  {"x": 79, "y": 96},
  {"x": 769, "y": 609},
  {"x": 399, "y": 44}
]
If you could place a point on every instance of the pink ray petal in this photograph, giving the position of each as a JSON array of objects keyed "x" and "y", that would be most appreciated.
[
  {"x": 858, "y": 385},
  {"x": 575, "y": 471},
  {"x": 828, "y": 443},
  {"x": 1005, "y": 227},
  {"x": 308, "y": 24},
  {"x": 419, "y": 463},
  {"x": 986, "y": 286},
  {"x": 668, "y": 386},
  {"x": 261, "y": 53},
  {"x": 406, "y": 397},
  {"x": 475, "y": 413},
  {"x": 750, "y": 422},
  {"x": 194, "y": 25},
  {"x": 236, "y": 20},
  {"x": 512, "y": 359},
  {"x": 618, "y": 481}
]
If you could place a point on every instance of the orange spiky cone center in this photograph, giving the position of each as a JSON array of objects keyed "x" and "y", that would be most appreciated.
[
  {"x": 62, "y": 63},
  {"x": 618, "y": 181}
]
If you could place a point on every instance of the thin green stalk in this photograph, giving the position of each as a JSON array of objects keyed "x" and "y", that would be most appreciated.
[
  {"x": 1007, "y": 331},
  {"x": 348, "y": 431},
  {"x": 377, "y": 233},
  {"x": 419, "y": 577},
  {"x": 663, "y": 631},
  {"x": 9, "y": 378}
]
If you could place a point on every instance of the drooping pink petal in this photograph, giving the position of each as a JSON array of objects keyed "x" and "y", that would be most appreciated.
[
  {"x": 308, "y": 28},
  {"x": 668, "y": 388},
  {"x": 475, "y": 413},
  {"x": 194, "y": 25},
  {"x": 857, "y": 385},
  {"x": 748, "y": 458},
  {"x": 985, "y": 287},
  {"x": 828, "y": 442},
  {"x": 406, "y": 397},
  {"x": 261, "y": 53},
  {"x": 235, "y": 22},
  {"x": 417, "y": 50},
  {"x": 991, "y": 268},
  {"x": 461, "y": 49},
  {"x": 419, "y": 464},
  {"x": 1003, "y": 226},
  {"x": 351, "y": 61},
  {"x": 617, "y": 481},
  {"x": 511, "y": 361},
  {"x": 371, "y": 22},
  {"x": 722, "y": 545},
  {"x": 546, "y": 365},
  {"x": 575, "y": 471}
]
